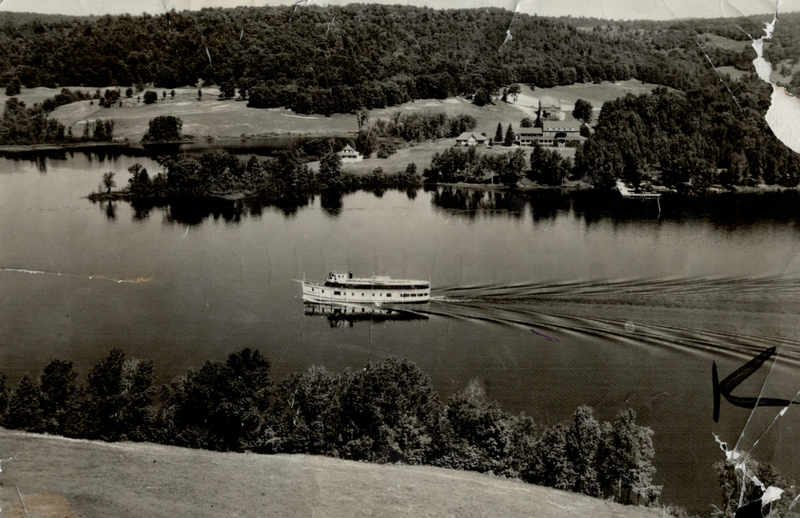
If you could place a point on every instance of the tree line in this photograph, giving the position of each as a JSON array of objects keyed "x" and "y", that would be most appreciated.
[
  {"x": 689, "y": 141},
  {"x": 20, "y": 125},
  {"x": 284, "y": 175},
  {"x": 324, "y": 60},
  {"x": 385, "y": 412}
]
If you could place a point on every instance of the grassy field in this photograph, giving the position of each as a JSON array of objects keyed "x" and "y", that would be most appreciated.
[
  {"x": 203, "y": 118},
  {"x": 211, "y": 117},
  {"x": 735, "y": 73},
  {"x": 63, "y": 478},
  {"x": 421, "y": 156},
  {"x": 219, "y": 119},
  {"x": 722, "y": 42}
]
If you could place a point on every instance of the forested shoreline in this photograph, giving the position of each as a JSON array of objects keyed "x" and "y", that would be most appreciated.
[
  {"x": 324, "y": 59},
  {"x": 385, "y": 412},
  {"x": 704, "y": 130}
]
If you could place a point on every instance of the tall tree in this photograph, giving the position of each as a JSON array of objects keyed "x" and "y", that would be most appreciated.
[
  {"x": 582, "y": 111},
  {"x": 59, "y": 397},
  {"x": 627, "y": 453},
  {"x": 583, "y": 443},
  {"x": 101, "y": 411},
  {"x": 24, "y": 411},
  {"x": 498, "y": 135},
  {"x": 108, "y": 181},
  {"x": 510, "y": 137},
  {"x": 222, "y": 405},
  {"x": 330, "y": 170}
]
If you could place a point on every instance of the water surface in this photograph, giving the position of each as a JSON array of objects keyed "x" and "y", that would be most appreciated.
[{"x": 552, "y": 301}]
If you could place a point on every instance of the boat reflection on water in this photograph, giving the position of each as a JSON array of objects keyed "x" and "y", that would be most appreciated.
[{"x": 340, "y": 315}]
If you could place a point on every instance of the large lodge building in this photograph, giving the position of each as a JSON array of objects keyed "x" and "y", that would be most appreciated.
[
  {"x": 557, "y": 133},
  {"x": 555, "y": 130}
]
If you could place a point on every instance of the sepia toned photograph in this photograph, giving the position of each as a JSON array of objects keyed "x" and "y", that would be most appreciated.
[{"x": 331, "y": 259}]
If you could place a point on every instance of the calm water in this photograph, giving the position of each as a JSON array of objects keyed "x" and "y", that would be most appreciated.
[{"x": 552, "y": 301}]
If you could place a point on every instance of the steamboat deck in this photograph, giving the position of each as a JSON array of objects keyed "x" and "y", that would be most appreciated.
[{"x": 344, "y": 288}]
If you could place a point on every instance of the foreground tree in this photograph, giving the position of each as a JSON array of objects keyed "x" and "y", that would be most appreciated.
[
  {"x": 583, "y": 442},
  {"x": 733, "y": 493},
  {"x": 473, "y": 433},
  {"x": 60, "y": 395},
  {"x": 627, "y": 455},
  {"x": 24, "y": 411},
  {"x": 387, "y": 413},
  {"x": 221, "y": 406},
  {"x": 120, "y": 394}
]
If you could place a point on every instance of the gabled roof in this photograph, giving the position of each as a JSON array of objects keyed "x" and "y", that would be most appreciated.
[
  {"x": 550, "y": 102},
  {"x": 467, "y": 134},
  {"x": 348, "y": 150}
]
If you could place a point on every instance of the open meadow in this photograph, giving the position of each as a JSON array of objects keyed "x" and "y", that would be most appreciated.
[
  {"x": 212, "y": 117},
  {"x": 66, "y": 478}
]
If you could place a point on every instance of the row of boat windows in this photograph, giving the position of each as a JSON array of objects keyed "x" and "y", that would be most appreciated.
[
  {"x": 379, "y": 286},
  {"x": 352, "y": 294}
]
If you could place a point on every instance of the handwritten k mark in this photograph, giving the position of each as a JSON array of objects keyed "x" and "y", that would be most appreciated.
[{"x": 736, "y": 378}]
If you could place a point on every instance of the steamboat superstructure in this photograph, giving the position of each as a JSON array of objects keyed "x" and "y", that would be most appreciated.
[{"x": 344, "y": 288}]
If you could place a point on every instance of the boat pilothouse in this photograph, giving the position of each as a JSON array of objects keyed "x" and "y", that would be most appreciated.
[{"x": 344, "y": 288}]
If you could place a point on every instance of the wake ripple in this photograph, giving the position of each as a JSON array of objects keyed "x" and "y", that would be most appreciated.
[{"x": 740, "y": 316}]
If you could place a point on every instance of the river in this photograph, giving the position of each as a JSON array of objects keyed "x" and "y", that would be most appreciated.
[{"x": 552, "y": 301}]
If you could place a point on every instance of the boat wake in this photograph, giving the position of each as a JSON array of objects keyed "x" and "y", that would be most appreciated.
[
  {"x": 136, "y": 280},
  {"x": 740, "y": 316}
]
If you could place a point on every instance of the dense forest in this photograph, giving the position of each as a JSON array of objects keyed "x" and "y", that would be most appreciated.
[
  {"x": 385, "y": 412},
  {"x": 699, "y": 132},
  {"x": 327, "y": 59},
  {"x": 689, "y": 141}
]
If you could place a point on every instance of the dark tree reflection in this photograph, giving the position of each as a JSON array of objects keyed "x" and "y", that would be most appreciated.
[
  {"x": 331, "y": 202},
  {"x": 110, "y": 209}
]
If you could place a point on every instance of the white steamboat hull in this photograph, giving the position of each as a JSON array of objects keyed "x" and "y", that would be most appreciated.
[{"x": 320, "y": 293}]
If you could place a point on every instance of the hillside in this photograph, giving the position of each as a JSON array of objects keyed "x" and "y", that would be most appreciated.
[
  {"x": 228, "y": 118},
  {"x": 60, "y": 477}
]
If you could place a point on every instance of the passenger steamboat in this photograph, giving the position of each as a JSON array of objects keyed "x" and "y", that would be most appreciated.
[{"x": 344, "y": 288}]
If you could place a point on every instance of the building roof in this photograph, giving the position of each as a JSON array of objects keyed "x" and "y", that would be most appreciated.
[
  {"x": 529, "y": 131},
  {"x": 348, "y": 150},
  {"x": 549, "y": 102},
  {"x": 561, "y": 125},
  {"x": 467, "y": 134}
]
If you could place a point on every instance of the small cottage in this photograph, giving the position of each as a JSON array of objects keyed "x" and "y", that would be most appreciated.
[
  {"x": 469, "y": 138},
  {"x": 349, "y": 154}
]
